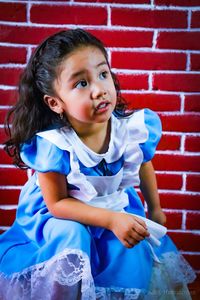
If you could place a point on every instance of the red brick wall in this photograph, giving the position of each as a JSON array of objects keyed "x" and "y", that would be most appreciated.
[{"x": 154, "y": 47}]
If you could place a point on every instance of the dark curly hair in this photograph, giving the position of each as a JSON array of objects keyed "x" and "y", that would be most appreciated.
[{"x": 31, "y": 114}]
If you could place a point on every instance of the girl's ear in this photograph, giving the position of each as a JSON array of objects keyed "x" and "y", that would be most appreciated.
[{"x": 53, "y": 103}]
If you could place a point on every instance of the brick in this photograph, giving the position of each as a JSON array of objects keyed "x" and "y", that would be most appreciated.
[
  {"x": 177, "y": 82},
  {"x": 8, "y": 97},
  {"x": 117, "y": 1},
  {"x": 4, "y": 158},
  {"x": 13, "y": 176},
  {"x": 148, "y": 18},
  {"x": 10, "y": 76},
  {"x": 195, "y": 22},
  {"x": 195, "y": 62},
  {"x": 9, "y": 196},
  {"x": 25, "y": 34},
  {"x": 7, "y": 217},
  {"x": 133, "y": 81},
  {"x": 5, "y": 132},
  {"x": 3, "y": 113},
  {"x": 177, "y": 2},
  {"x": 68, "y": 14},
  {"x": 192, "y": 103},
  {"x": 186, "y": 241},
  {"x": 12, "y": 55},
  {"x": 148, "y": 60},
  {"x": 179, "y": 40},
  {"x": 193, "y": 259},
  {"x": 174, "y": 220},
  {"x": 193, "y": 183},
  {"x": 13, "y": 12},
  {"x": 193, "y": 220},
  {"x": 3, "y": 136},
  {"x": 172, "y": 200},
  {"x": 169, "y": 181},
  {"x": 176, "y": 162},
  {"x": 156, "y": 102},
  {"x": 181, "y": 122},
  {"x": 169, "y": 142},
  {"x": 123, "y": 38},
  {"x": 192, "y": 143}
]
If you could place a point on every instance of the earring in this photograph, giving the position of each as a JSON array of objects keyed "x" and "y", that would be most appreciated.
[{"x": 61, "y": 116}]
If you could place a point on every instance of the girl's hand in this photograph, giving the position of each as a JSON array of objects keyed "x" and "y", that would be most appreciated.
[
  {"x": 129, "y": 229},
  {"x": 157, "y": 215}
]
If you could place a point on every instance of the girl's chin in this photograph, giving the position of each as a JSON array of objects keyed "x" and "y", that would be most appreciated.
[{"x": 102, "y": 118}]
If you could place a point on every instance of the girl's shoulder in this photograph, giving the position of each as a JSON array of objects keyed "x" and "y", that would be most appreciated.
[
  {"x": 42, "y": 152},
  {"x": 152, "y": 127},
  {"x": 141, "y": 123},
  {"x": 143, "y": 128}
]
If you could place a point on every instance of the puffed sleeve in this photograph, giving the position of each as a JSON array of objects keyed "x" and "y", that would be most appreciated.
[
  {"x": 41, "y": 155},
  {"x": 154, "y": 130}
]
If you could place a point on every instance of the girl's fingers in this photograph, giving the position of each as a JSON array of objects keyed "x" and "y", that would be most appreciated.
[
  {"x": 141, "y": 222},
  {"x": 127, "y": 244},
  {"x": 130, "y": 242},
  {"x": 140, "y": 230},
  {"x": 136, "y": 237}
]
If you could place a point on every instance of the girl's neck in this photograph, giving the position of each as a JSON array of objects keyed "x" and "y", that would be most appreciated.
[{"x": 96, "y": 138}]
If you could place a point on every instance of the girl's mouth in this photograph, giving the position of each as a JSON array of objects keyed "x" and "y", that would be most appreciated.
[{"x": 103, "y": 106}]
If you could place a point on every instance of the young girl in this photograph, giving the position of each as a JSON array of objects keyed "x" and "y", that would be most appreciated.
[{"x": 80, "y": 230}]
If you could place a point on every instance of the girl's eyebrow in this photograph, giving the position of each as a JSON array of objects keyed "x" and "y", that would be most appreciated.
[
  {"x": 102, "y": 63},
  {"x": 83, "y": 71}
]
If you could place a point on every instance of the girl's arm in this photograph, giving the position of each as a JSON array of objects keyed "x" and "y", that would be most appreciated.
[
  {"x": 148, "y": 186},
  {"x": 128, "y": 229}
]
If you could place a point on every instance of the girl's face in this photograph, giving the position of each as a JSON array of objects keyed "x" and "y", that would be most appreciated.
[{"x": 85, "y": 89}]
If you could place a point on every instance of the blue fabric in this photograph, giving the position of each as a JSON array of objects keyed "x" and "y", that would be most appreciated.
[
  {"x": 154, "y": 127},
  {"x": 43, "y": 156},
  {"x": 103, "y": 168},
  {"x": 36, "y": 235}
]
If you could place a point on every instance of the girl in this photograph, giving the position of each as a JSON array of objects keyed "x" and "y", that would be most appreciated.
[{"x": 80, "y": 230}]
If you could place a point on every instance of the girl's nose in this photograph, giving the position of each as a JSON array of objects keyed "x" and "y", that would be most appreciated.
[{"x": 98, "y": 91}]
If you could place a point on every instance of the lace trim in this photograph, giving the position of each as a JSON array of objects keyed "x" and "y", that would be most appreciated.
[
  {"x": 116, "y": 293},
  {"x": 179, "y": 269},
  {"x": 178, "y": 293},
  {"x": 168, "y": 282},
  {"x": 170, "y": 278},
  {"x": 66, "y": 269}
]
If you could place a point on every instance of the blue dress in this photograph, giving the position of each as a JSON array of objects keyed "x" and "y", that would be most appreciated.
[{"x": 43, "y": 257}]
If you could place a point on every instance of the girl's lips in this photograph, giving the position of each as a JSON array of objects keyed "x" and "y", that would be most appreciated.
[{"x": 102, "y": 106}]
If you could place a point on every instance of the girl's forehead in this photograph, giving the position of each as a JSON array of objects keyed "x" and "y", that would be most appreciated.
[
  {"x": 83, "y": 57},
  {"x": 84, "y": 52}
]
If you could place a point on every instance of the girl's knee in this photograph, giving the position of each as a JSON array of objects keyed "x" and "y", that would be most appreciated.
[{"x": 70, "y": 232}]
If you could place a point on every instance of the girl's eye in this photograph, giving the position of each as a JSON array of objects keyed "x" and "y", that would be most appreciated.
[
  {"x": 81, "y": 84},
  {"x": 103, "y": 75}
]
